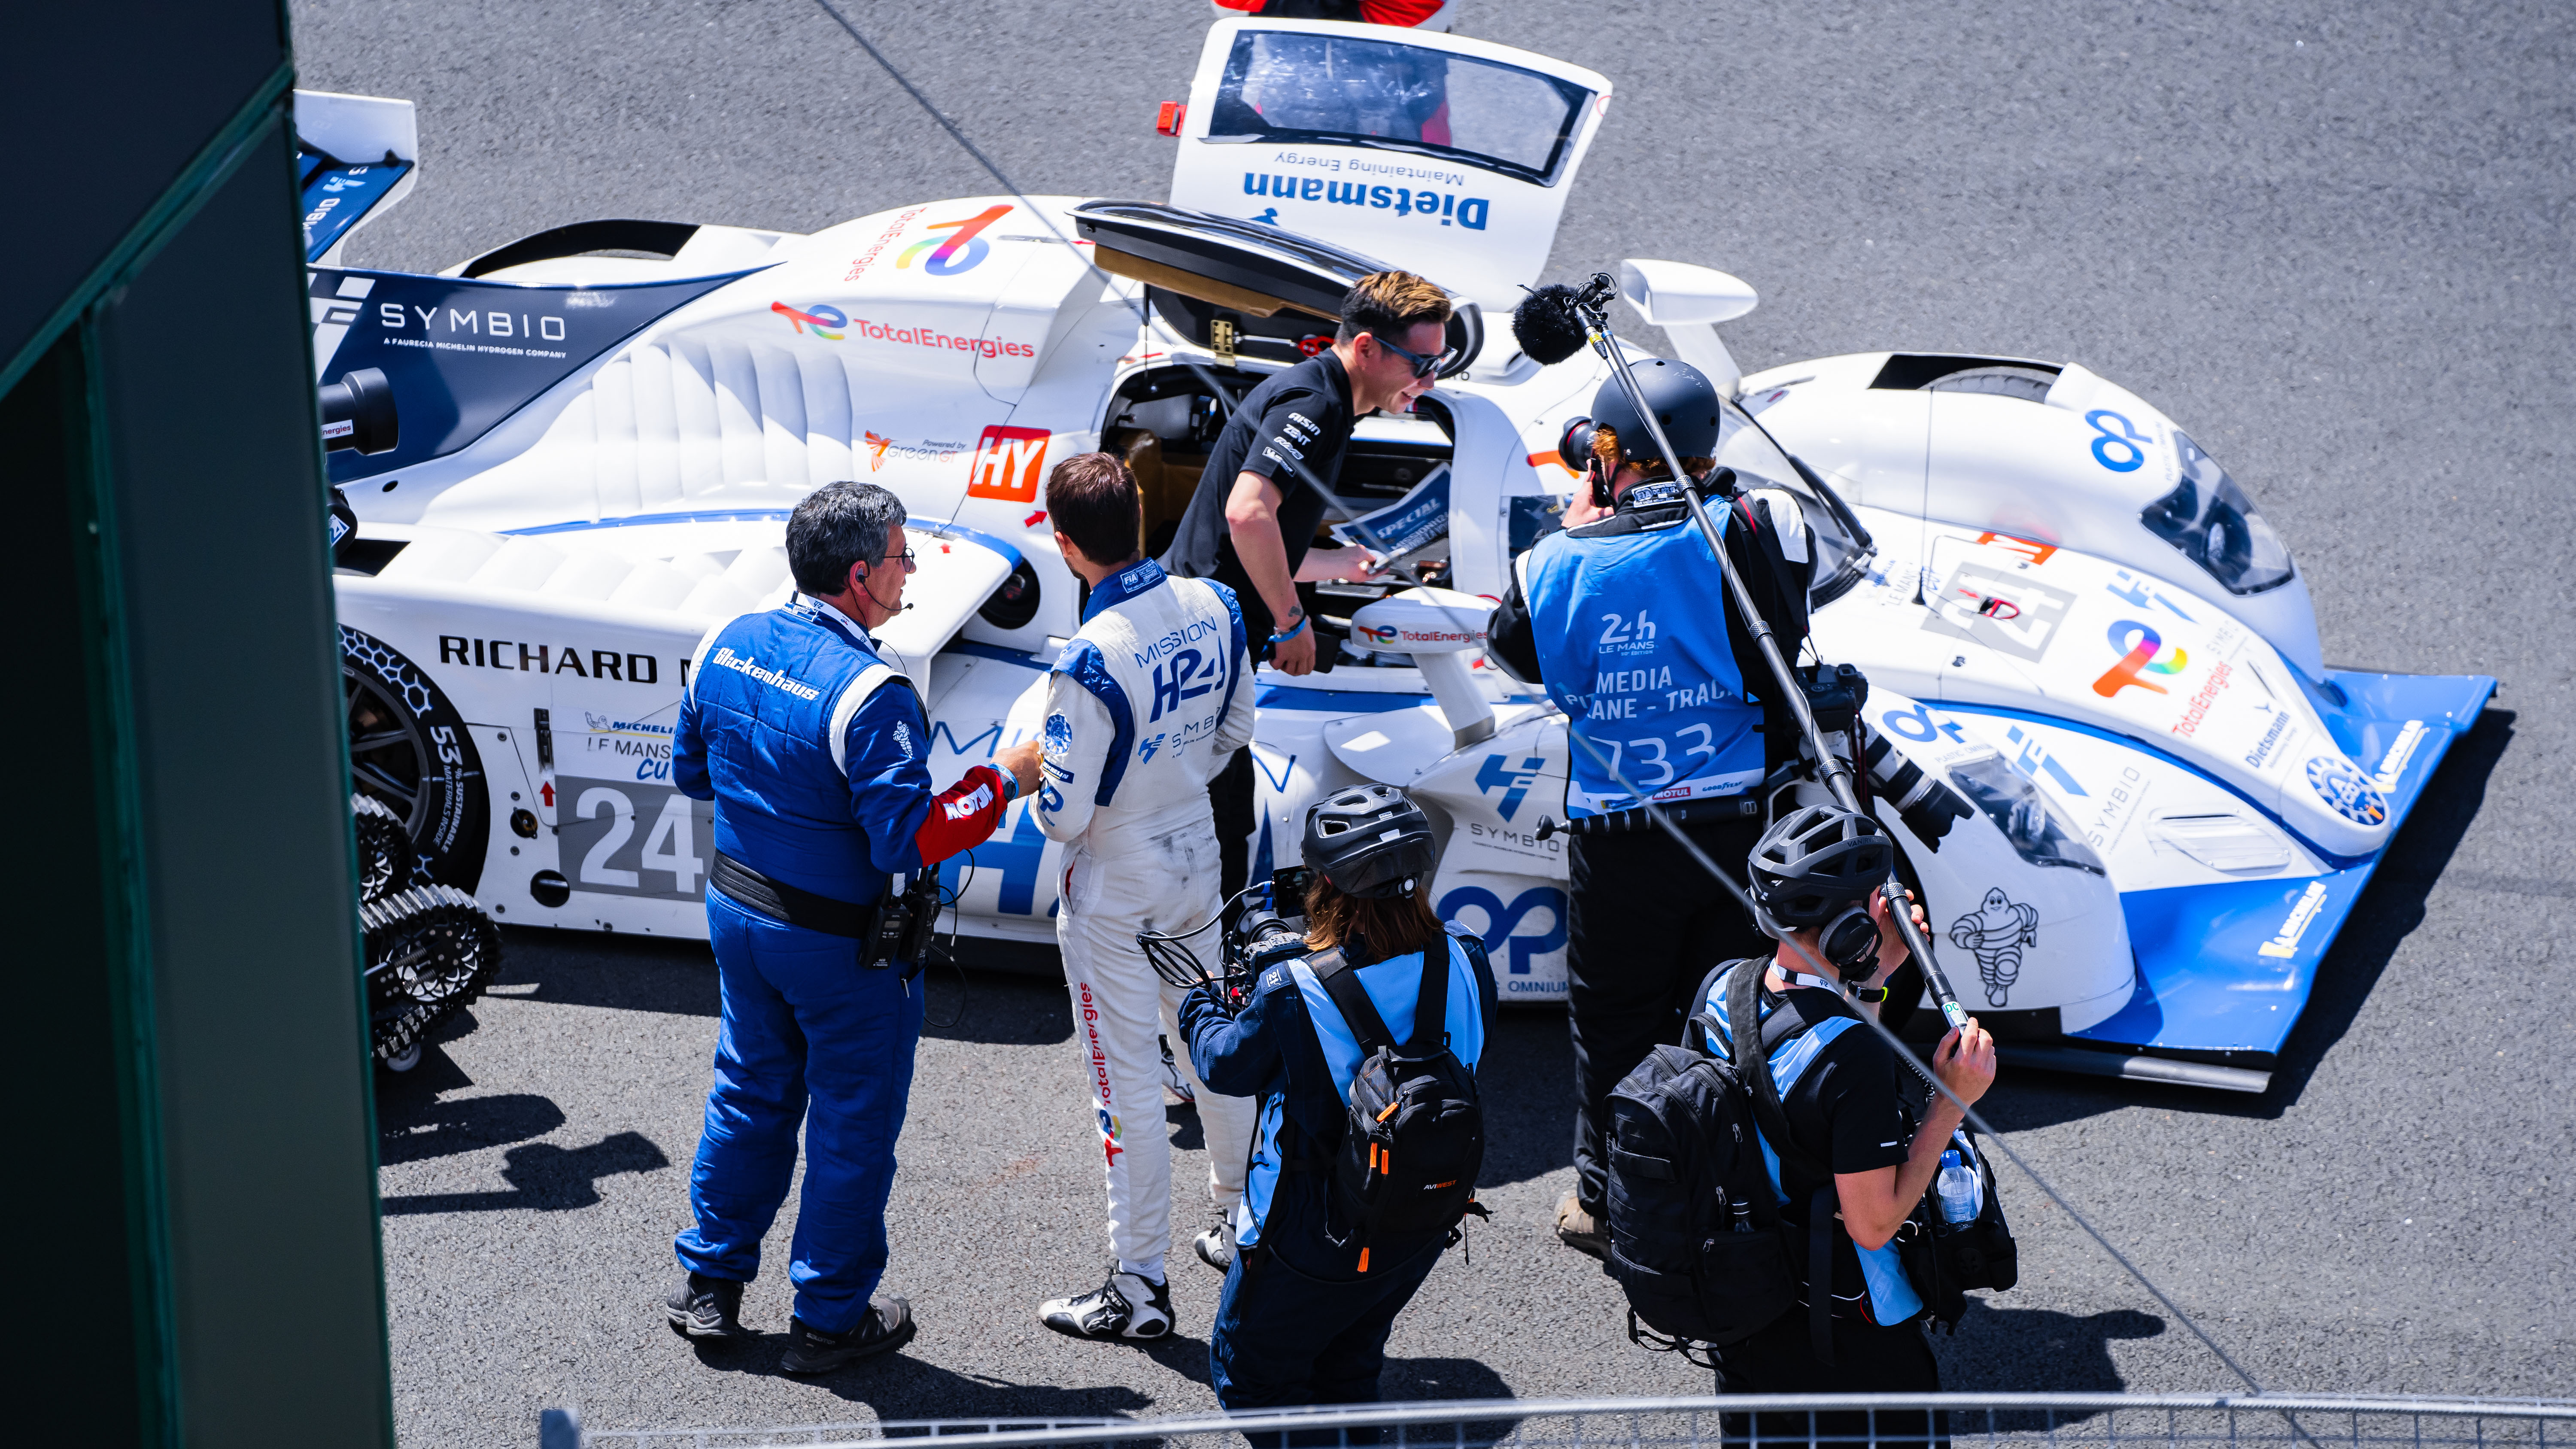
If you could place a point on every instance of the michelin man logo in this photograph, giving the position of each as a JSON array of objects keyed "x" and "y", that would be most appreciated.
[{"x": 1994, "y": 933}]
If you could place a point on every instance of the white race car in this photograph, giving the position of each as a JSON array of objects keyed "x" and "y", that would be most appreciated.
[{"x": 2136, "y": 801}]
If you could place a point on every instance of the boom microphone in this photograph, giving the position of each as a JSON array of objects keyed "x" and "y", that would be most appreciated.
[{"x": 1547, "y": 326}]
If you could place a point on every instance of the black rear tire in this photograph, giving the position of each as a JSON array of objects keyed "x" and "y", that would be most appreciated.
[{"x": 410, "y": 751}]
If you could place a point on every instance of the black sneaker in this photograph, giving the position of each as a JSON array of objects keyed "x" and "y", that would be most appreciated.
[
  {"x": 1124, "y": 1307},
  {"x": 887, "y": 1327},
  {"x": 711, "y": 1307}
]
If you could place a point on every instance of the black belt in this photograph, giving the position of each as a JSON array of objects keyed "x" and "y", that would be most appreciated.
[{"x": 795, "y": 905}]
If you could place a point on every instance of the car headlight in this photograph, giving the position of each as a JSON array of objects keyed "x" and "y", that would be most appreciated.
[{"x": 2211, "y": 521}]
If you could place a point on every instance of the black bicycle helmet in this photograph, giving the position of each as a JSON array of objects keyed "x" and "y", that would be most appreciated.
[
  {"x": 1370, "y": 841},
  {"x": 1685, "y": 403},
  {"x": 1814, "y": 864}
]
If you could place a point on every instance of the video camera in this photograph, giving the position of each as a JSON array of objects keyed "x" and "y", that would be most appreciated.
[{"x": 1257, "y": 938}]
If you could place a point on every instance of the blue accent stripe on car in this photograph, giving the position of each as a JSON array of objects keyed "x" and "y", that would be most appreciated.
[
  {"x": 1352, "y": 701},
  {"x": 647, "y": 520},
  {"x": 1007, "y": 655}
]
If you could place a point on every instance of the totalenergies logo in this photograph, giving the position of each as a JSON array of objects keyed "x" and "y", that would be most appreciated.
[
  {"x": 2139, "y": 646},
  {"x": 818, "y": 319},
  {"x": 960, "y": 250}
]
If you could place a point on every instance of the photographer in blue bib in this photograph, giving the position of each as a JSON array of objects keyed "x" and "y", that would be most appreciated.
[
  {"x": 1361, "y": 1036},
  {"x": 821, "y": 902},
  {"x": 1666, "y": 692}
]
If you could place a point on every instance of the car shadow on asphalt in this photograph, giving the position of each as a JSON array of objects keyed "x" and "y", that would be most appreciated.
[
  {"x": 1526, "y": 1084},
  {"x": 2391, "y": 907},
  {"x": 627, "y": 971},
  {"x": 2035, "y": 1350},
  {"x": 995, "y": 1007}
]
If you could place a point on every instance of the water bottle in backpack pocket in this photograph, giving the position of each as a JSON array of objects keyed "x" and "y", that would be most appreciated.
[{"x": 1956, "y": 1239}]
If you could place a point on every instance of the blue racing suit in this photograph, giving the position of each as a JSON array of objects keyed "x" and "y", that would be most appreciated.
[
  {"x": 813, "y": 750},
  {"x": 1298, "y": 1321}
]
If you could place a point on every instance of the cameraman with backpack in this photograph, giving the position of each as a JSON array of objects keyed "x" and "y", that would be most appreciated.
[
  {"x": 1845, "y": 1158},
  {"x": 1363, "y": 1054}
]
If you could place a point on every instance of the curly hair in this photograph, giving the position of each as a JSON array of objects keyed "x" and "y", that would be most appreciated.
[{"x": 1606, "y": 451}]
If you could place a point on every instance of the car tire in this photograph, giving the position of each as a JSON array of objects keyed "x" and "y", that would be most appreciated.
[
  {"x": 410, "y": 751},
  {"x": 431, "y": 952}
]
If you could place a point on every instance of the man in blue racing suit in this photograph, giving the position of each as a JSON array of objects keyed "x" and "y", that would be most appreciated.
[
  {"x": 1620, "y": 617},
  {"x": 1309, "y": 1301},
  {"x": 813, "y": 749}
]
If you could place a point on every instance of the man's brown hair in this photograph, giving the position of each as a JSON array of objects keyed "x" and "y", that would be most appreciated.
[
  {"x": 1391, "y": 304},
  {"x": 1094, "y": 502}
]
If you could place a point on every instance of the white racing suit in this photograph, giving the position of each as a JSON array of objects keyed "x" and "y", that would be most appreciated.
[{"x": 1150, "y": 698}]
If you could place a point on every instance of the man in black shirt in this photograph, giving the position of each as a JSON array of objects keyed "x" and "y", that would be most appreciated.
[
  {"x": 1853, "y": 1152},
  {"x": 1260, "y": 500}
]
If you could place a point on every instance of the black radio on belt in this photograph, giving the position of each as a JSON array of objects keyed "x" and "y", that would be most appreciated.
[{"x": 905, "y": 925}]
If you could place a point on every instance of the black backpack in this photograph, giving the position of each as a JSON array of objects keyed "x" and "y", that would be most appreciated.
[
  {"x": 1416, "y": 1136},
  {"x": 1695, "y": 1233}
]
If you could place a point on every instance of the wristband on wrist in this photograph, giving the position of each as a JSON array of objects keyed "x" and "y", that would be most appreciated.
[
  {"x": 1010, "y": 784},
  {"x": 1293, "y": 631}
]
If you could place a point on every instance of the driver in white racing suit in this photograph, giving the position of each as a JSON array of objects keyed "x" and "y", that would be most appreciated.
[{"x": 1148, "y": 701}]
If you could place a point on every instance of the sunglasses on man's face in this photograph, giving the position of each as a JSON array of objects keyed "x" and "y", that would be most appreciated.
[
  {"x": 911, "y": 561},
  {"x": 1423, "y": 366}
]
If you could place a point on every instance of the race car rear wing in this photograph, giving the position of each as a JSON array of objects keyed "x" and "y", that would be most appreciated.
[{"x": 356, "y": 156}]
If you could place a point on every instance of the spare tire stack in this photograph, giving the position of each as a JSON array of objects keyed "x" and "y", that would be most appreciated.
[{"x": 431, "y": 951}]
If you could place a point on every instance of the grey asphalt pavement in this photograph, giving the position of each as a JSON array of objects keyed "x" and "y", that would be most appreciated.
[{"x": 2332, "y": 239}]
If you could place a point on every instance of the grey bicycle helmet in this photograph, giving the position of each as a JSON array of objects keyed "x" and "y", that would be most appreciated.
[
  {"x": 1684, "y": 400},
  {"x": 1370, "y": 841},
  {"x": 1816, "y": 869},
  {"x": 1814, "y": 863}
]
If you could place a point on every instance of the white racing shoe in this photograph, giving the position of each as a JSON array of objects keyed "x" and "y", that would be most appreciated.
[
  {"x": 1216, "y": 1245},
  {"x": 1176, "y": 1087},
  {"x": 1124, "y": 1307}
]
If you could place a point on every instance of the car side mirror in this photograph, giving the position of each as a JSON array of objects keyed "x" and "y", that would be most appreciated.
[
  {"x": 1677, "y": 293},
  {"x": 1687, "y": 301}
]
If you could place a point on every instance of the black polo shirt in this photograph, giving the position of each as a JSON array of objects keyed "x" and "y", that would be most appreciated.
[{"x": 1300, "y": 416}]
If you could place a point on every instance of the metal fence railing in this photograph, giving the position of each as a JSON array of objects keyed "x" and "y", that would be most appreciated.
[{"x": 1861, "y": 1421}]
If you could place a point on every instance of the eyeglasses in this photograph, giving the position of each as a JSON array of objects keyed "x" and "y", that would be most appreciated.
[
  {"x": 1422, "y": 366},
  {"x": 911, "y": 561}
]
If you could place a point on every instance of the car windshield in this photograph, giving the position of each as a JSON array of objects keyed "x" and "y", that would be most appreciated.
[
  {"x": 1843, "y": 547},
  {"x": 2214, "y": 524},
  {"x": 1329, "y": 90}
]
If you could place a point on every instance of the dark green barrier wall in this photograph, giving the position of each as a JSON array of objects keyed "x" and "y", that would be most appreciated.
[{"x": 193, "y": 1180}]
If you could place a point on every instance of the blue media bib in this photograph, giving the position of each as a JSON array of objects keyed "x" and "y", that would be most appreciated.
[{"x": 1633, "y": 646}]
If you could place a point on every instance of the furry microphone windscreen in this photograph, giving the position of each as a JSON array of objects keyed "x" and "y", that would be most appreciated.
[{"x": 1545, "y": 325}]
